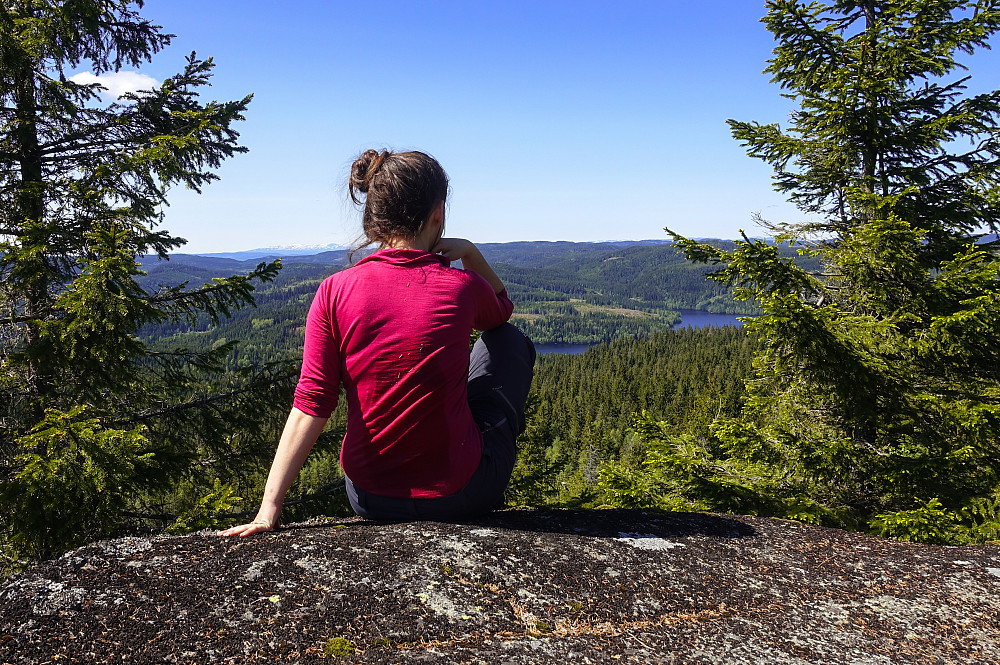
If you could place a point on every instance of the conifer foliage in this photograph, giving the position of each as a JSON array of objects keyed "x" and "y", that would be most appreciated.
[
  {"x": 877, "y": 393},
  {"x": 95, "y": 428}
]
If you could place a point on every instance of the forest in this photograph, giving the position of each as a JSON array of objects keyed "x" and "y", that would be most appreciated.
[{"x": 142, "y": 389}]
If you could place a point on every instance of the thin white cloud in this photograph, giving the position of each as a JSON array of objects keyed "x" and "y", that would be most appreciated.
[{"x": 117, "y": 83}]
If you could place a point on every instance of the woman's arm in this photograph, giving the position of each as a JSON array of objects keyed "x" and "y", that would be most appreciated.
[
  {"x": 472, "y": 259},
  {"x": 297, "y": 439}
]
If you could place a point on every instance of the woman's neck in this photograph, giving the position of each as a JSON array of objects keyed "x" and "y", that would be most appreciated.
[
  {"x": 408, "y": 243},
  {"x": 428, "y": 236}
]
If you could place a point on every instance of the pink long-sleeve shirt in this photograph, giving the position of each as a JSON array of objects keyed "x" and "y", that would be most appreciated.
[{"x": 395, "y": 329}]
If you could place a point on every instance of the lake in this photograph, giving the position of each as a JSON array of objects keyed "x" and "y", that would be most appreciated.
[
  {"x": 695, "y": 318},
  {"x": 690, "y": 318}
]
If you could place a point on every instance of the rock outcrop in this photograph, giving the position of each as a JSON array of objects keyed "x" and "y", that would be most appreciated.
[{"x": 518, "y": 587}]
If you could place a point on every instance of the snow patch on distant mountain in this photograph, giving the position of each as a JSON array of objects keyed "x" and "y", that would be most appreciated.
[{"x": 285, "y": 250}]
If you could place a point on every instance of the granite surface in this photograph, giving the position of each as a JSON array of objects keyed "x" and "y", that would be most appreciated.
[{"x": 612, "y": 586}]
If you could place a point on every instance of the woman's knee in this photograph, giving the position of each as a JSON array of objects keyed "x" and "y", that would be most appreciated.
[
  {"x": 504, "y": 352},
  {"x": 508, "y": 338}
]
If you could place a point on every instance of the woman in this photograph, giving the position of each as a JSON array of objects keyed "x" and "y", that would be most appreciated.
[{"x": 430, "y": 429}]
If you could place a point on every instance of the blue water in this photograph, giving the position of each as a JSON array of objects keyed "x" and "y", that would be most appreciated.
[
  {"x": 693, "y": 318},
  {"x": 571, "y": 349},
  {"x": 690, "y": 318}
]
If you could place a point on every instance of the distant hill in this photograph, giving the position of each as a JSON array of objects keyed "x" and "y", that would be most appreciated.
[
  {"x": 540, "y": 253},
  {"x": 197, "y": 269}
]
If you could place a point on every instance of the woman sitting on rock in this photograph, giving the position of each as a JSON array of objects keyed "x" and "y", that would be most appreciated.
[{"x": 430, "y": 429}]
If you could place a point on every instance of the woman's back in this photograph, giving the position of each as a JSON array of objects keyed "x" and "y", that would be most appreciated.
[{"x": 397, "y": 326}]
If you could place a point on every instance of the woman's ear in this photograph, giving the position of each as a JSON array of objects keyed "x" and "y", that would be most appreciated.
[{"x": 437, "y": 214}]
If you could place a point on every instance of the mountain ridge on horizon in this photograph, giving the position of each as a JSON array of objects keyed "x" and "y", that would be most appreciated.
[
  {"x": 324, "y": 252},
  {"x": 312, "y": 250}
]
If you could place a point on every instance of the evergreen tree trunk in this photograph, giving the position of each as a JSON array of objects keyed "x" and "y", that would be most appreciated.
[{"x": 32, "y": 277}]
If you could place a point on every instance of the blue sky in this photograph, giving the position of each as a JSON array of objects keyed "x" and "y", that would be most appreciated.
[{"x": 555, "y": 120}]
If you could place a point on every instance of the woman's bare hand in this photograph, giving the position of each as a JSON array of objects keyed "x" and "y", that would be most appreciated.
[
  {"x": 472, "y": 259},
  {"x": 259, "y": 525},
  {"x": 454, "y": 249},
  {"x": 297, "y": 440}
]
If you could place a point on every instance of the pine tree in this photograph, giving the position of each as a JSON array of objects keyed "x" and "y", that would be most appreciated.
[
  {"x": 96, "y": 428},
  {"x": 878, "y": 388}
]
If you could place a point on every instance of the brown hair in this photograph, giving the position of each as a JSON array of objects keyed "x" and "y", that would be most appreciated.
[{"x": 400, "y": 191}]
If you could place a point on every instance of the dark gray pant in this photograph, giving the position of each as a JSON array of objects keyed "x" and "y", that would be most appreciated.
[{"x": 500, "y": 370}]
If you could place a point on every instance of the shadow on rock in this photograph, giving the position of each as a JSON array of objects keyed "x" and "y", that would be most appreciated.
[
  {"x": 617, "y": 523},
  {"x": 611, "y": 523}
]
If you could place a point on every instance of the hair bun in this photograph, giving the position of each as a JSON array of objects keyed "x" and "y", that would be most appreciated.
[
  {"x": 364, "y": 169},
  {"x": 399, "y": 192}
]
